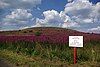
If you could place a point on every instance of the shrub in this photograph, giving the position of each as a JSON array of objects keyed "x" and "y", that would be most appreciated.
[
  {"x": 24, "y": 32},
  {"x": 30, "y": 31},
  {"x": 37, "y": 33}
]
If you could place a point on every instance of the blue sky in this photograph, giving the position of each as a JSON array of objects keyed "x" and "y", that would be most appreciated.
[
  {"x": 82, "y": 15},
  {"x": 49, "y": 5},
  {"x": 94, "y": 1}
]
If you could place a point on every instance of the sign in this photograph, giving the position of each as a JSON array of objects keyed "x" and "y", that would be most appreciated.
[{"x": 75, "y": 41}]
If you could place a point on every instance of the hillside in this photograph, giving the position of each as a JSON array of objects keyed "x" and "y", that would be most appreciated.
[
  {"x": 47, "y": 34},
  {"x": 43, "y": 30}
]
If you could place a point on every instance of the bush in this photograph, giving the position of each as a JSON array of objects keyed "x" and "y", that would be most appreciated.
[
  {"x": 37, "y": 33},
  {"x": 30, "y": 31},
  {"x": 24, "y": 32}
]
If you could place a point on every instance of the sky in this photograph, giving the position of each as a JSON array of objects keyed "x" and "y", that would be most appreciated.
[{"x": 81, "y": 15}]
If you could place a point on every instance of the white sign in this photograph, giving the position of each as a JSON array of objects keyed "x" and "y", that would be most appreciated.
[{"x": 75, "y": 41}]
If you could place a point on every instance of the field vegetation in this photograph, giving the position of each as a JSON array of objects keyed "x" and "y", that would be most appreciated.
[{"x": 41, "y": 49}]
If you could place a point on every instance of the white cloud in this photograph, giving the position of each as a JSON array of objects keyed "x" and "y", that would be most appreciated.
[
  {"x": 83, "y": 11},
  {"x": 24, "y": 27},
  {"x": 19, "y": 3},
  {"x": 71, "y": 24},
  {"x": 95, "y": 14},
  {"x": 69, "y": 0},
  {"x": 18, "y": 16},
  {"x": 88, "y": 20},
  {"x": 95, "y": 30},
  {"x": 3, "y": 4},
  {"x": 51, "y": 15},
  {"x": 53, "y": 18}
]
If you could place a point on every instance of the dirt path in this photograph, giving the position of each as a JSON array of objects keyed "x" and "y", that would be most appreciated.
[{"x": 3, "y": 63}]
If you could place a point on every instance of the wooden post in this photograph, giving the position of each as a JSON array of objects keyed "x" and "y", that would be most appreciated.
[{"x": 75, "y": 55}]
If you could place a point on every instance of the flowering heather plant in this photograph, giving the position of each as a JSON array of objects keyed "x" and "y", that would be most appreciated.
[{"x": 57, "y": 39}]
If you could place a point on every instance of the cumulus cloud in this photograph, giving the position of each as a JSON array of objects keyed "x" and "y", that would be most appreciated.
[
  {"x": 15, "y": 13},
  {"x": 78, "y": 11},
  {"x": 53, "y": 18},
  {"x": 95, "y": 30},
  {"x": 19, "y": 3},
  {"x": 83, "y": 11},
  {"x": 18, "y": 16},
  {"x": 95, "y": 14},
  {"x": 86, "y": 14}
]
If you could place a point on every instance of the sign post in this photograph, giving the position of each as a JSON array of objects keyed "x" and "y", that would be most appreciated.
[
  {"x": 75, "y": 41},
  {"x": 75, "y": 55}
]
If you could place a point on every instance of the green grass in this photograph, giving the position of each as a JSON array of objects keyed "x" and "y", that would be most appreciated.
[{"x": 46, "y": 55}]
